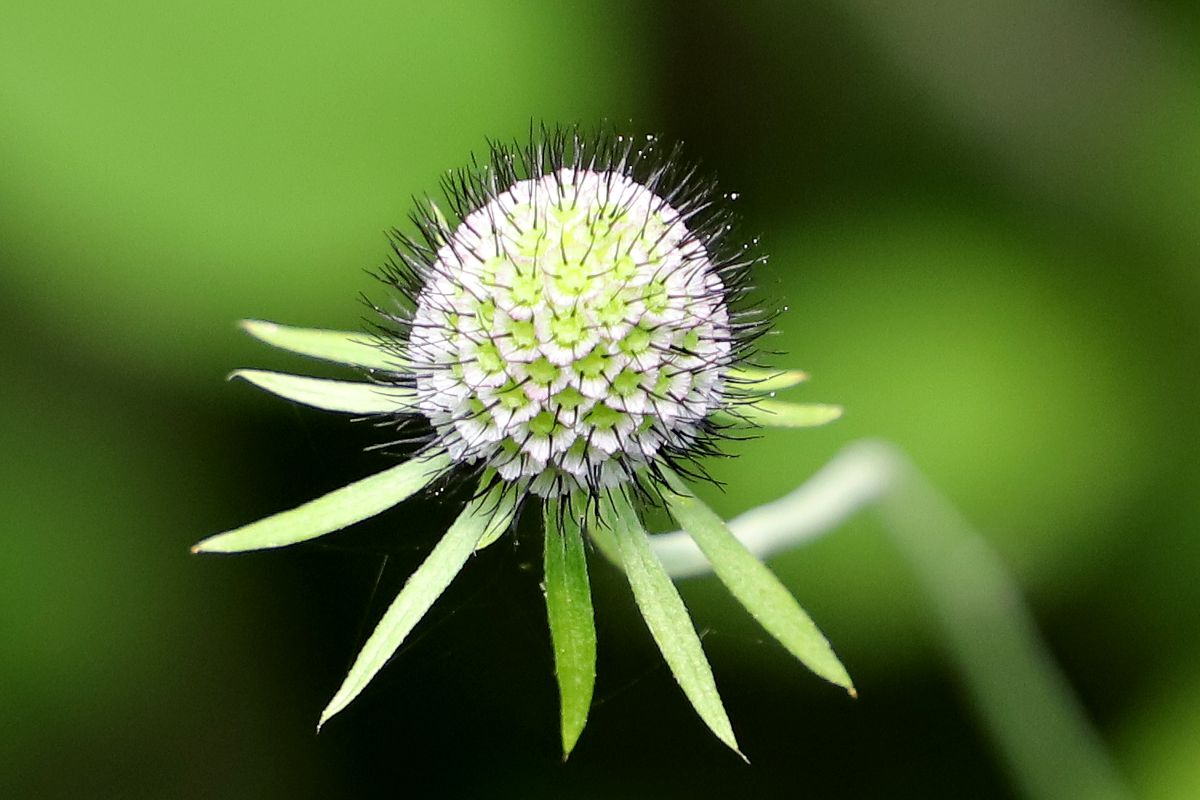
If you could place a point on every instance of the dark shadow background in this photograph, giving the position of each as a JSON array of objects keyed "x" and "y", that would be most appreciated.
[{"x": 982, "y": 217}]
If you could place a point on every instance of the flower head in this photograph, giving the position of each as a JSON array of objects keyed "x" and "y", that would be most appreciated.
[
  {"x": 570, "y": 329},
  {"x": 573, "y": 330},
  {"x": 577, "y": 333}
]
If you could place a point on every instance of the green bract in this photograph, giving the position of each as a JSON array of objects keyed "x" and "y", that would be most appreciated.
[{"x": 577, "y": 339}]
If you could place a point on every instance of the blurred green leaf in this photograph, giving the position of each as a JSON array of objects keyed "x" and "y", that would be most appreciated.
[
  {"x": 340, "y": 347},
  {"x": 349, "y": 397},
  {"x": 666, "y": 616},
  {"x": 572, "y": 626},
  {"x": 493, "y": 511},
  {"x": 334, "y": 511},
  {"x": 754, "y": 380},
  {"x": 754, "y": 585},
  {"x": 769, "y": 413}
]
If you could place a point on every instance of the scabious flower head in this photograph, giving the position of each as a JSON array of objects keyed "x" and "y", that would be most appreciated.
[
  {"x": 576, "y": 331},
  {"x": 573, "y": 330}
]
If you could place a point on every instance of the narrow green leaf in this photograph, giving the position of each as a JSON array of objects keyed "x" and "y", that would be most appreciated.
[
  {"x": 753, "y": 380},
  {"x": 340, "y": 347},
  {"x": 489, "y": 539},
  {"x": 350, "y": 397},
  {"x": 334, "y": 511},
  {"x": 754, "y": 585},
  {"x": 481, "y": 516},
  {"x": 493, "y": 535},
  {"x": 770, "y": 413},
  {"x": 572, "y": 624},
  {"x": 666, "y": 616}
]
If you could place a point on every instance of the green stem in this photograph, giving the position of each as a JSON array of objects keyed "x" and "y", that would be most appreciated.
[{"x": 1022, "y": 699}]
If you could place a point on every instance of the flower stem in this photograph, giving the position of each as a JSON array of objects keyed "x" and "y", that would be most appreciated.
[{"x": 1022, "y": 699}]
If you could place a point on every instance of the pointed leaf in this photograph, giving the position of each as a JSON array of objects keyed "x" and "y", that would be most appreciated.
[
  {"x": 754, "y": 585},
  {"x": 770, "y": 413},
  {"x": 666, "y": 616},
  {"x": 334, "y": 511},
  {"x": 481, "y": 516},
  {"x": 349, "y": 397},
  {"x": 493, "y": 535},
  {"x": 572, "y": 624},
  {"x": 754, "y": 380},
  {"x": 489, "y": 539},
  {"x": 340, "y": 347}
]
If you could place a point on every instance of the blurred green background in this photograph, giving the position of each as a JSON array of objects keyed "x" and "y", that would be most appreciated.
[{"x": 985, "y": 221}]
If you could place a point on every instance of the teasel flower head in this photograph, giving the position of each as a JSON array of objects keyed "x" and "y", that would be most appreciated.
[{"x": 573, "y": 332}]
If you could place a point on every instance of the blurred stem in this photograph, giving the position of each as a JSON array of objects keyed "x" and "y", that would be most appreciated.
[{"x": 1021, "y": 697}]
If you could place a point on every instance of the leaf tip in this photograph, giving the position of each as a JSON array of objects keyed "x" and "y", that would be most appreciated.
[
  {"x": 218, "y": 543},
  {"x": 837, "y": 675},
  {"x": 204, "y": 545},
  {"x": 328, "y": 713},
  {"x": 569, "y": 739},
  {"x": 730, "y": 741},
  {"x": 254, "y": 327}
]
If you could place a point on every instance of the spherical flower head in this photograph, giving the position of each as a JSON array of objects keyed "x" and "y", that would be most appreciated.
[{"x": 571, "y": 328}]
